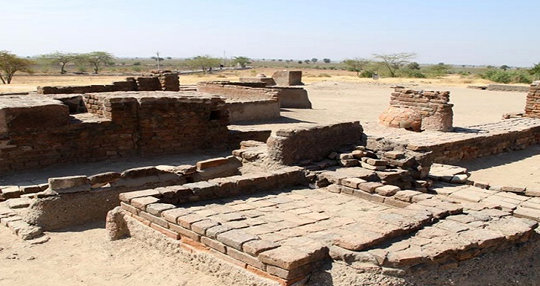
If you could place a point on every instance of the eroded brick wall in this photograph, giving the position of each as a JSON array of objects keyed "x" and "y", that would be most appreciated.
[
  {"x": 253, "y": 110},
  {"x": 291, "y": 146},
  {"x": 40, "y": 132},
  {"x": 418, "y": 110},
  {"x": 532, "y": 106},
  {"x": 161, "y": 81},
  {"x": 289, "y": 97},
  {"x": 238, "y": 91}
]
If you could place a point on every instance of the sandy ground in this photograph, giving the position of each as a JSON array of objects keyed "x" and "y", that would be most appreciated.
[{"x": 83, "y": 256}]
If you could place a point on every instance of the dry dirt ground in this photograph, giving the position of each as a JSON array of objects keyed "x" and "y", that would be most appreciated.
[{"x": 83, "y": 255}]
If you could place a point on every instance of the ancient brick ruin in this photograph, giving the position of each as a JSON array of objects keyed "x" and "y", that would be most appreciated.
[
  {"x": 160, "y": 81},
  {"x": 279, "y": 78},
  {"x": 532, "y": 106},
  {"x": 37, "y": 131},
  {"x": 289, "y": 97},
  {"x": 418, "y": 110},
  {"x": 287, "y": 78},
  {"x": 279, "y": 208}
]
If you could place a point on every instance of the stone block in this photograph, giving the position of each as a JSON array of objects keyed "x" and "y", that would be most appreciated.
[
  {"x": 288, "y": 257},
  {"x": 287, "y": 78},
  {"x": 142, "y": 202},
  {"x": 202, "y": 226},
  {"x": 187, "y": 220},
  {"x": 157, "y": 208},
  {"x": 215, "y": 162},
  {"x": 254, "y": 247},
  {"x": 352, "y": 182},
  {"x": 529, "y": 213},
  {"x": 70, "y": 184},
  {"x": 10, "y": 192},
  {"x": 100, "y": 180},
  {"x": 214, "y": 244},
  {"x": 369, "y": 187},
  {"x": 236, "y": 238},
  {"x": 127, "y": 197},
  {"x": 387, "y": 190}
]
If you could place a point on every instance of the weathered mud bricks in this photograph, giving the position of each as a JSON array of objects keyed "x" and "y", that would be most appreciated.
[
  {"x": 532, "y": 106},
  {"x": 418, "y": 110},
  {"x": 169, "y": 81},
  {"x": 39, "y": 131},
  {"x": 288, "y": 78},
  {"x": 289, "y": 97},
  {"x": 162, "y": 81},
  {"x": 313, "y": 143}
]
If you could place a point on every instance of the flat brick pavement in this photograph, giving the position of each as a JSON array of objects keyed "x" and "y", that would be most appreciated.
[{"x": 287, "y": 234}]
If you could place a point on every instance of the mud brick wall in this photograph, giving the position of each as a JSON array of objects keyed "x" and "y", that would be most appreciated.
[
  {"x": 532, "y": 106},
  {"x": 75, "y": 89},
  {"x": 234, "y": 91},
  {"x": 164, "y": 81},
  {"x": 418, "y": 110},
  {"x": 289, "y": 97},
  {"x": 38, "y": 132},
  {"x": 169, "y": 81},
  {"x": 291, "y": 146},
  {"x": 288, "y": 78},
  {"x": 464, "y": 143},
  {"x": 292, "y": 97},
  {"x": 171, "y": 123},
  {"x": 253, "y": 110}
]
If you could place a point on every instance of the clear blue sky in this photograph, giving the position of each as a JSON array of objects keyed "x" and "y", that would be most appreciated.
[{"x": 480, "y": 32}]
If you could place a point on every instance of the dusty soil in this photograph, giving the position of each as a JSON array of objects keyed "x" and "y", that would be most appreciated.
[{"x": 83, "y": 256}]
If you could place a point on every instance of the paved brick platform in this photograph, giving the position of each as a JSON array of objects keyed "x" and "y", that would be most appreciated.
[
  {"x": 288, "y": 233},
  {"x": 464, "y": 142}
]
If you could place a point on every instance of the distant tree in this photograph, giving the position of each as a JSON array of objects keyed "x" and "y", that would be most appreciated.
[
  {"x": 393, "y": 62},
  {"x": 242, "y": 61},
  {"x": 504, "y": 67},
  {"x": 280, "y": 60},
  {"x": 156, "y": 58},
  {"x": 413, "y": 66},
  {"x": 60, "y": 58},
  {"x": 314, "y": 60},
  {"x": 203, "y": 62},
  {"x": 307, "y": 61},
  {"x": 10, "y": 64},
  {"x": 97, "y": 60},
  {"x": 535, "y": 71},
  {"x": 356, "y": 65},
  {"x": 326, "y": 61},
  {"x": 300, "y": 62}
]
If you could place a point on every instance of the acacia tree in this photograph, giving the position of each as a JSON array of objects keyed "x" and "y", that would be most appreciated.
[
  {"x": 10, "y": 64},
  {"x": 241, "y": 61},
  {"x": 326, "y": 60},
  {"x": 62, "y": 59},
  {"x": 394, "y": 61},
  {"x": 97, "y": 60},
  {"x": 356, "y": 65},
  {"x": 203, "y": 62}
]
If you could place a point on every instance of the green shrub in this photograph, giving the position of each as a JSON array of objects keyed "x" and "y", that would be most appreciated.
[
  {"x": 411, "y": 73},
  {"x": 508, "y": 76},
  {"x": 366, "y": 73}
]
